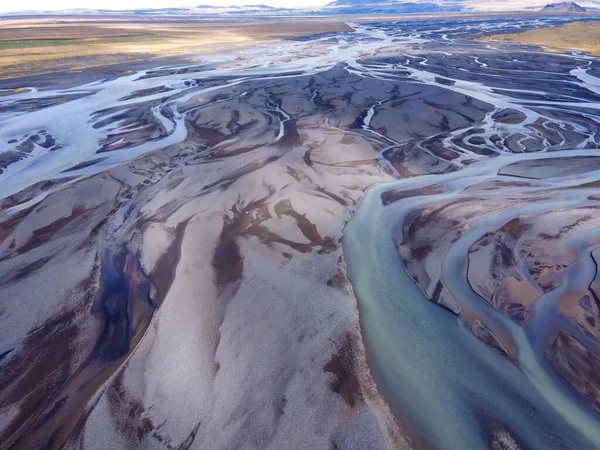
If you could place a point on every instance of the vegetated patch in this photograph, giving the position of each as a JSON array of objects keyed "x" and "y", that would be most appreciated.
[
  {"x": 33, "y": 43},
  {"x": 342, "y": 367},
  {"x": 582, "y": 36}
]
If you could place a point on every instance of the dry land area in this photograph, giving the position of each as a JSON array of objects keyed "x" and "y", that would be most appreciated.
[
  {"x": 33, "y": 46},
  {"x": 580, "y": 36}
]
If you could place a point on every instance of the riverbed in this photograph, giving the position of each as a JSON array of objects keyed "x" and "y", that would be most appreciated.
[{"x": 176, "y": 255}]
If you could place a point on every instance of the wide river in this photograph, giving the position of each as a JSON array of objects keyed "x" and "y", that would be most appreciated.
[{"x": 448, "y": 385}]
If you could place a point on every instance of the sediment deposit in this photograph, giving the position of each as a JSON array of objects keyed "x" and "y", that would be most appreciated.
[{"x": 171, "y": 264}]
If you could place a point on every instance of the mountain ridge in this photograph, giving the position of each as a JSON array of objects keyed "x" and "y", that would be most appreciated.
[
  {"x": 563, "y": 7},
  {"x": 342, "y": 7}
]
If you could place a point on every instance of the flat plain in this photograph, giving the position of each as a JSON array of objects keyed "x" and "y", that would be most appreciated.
[
  {"x": 575, "y": 36},
  {"x": 32, "y": 46}
]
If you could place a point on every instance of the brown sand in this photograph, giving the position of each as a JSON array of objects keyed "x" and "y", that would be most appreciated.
[
  {"x": 581, "y": 36},
  {"x": 44, "y": 45}
]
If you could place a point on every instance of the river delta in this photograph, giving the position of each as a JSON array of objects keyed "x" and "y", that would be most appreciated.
[{"x": 378, "y": 238}]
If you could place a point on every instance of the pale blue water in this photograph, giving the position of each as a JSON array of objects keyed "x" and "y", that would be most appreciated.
[{"x": 447, "y": 385}]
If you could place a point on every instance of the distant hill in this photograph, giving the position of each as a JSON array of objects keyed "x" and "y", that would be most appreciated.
[
  {"x": 388, "y": 7},
  {"x": 564, "y": 7},
  {"x": 367, "y": 7},
  {"x": 200, "y": 10},
  {"x": 206, "y": 10}
]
